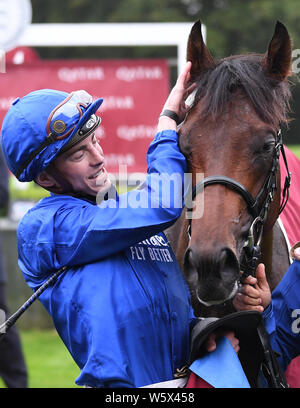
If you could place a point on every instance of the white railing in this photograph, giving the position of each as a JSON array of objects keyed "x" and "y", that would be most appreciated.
[{"x": 111, "y": 34}]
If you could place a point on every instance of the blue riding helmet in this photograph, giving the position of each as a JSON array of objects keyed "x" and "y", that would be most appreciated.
[{"x": 43, "y": 124}]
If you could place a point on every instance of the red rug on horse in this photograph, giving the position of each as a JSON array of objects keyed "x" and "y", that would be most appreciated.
[{"x": 290, "y": 223}]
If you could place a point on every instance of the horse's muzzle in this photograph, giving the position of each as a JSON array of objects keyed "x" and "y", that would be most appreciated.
[{"x": 212, "y": 276}]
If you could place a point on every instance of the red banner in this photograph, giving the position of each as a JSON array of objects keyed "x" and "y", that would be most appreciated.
[{"x": 134, "y": 92}]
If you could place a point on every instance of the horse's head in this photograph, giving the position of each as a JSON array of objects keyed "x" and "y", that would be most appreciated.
[{"x": 230, "y": 136}]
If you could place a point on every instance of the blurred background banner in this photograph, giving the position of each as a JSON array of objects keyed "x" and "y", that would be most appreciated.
[{"x": 134, "y": 92}]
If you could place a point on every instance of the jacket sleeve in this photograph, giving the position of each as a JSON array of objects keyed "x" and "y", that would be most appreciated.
[
  {"x": 91, "y": 232},
  {"x": 282, "y": 318}
]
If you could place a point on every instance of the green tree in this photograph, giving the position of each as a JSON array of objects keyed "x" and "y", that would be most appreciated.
[{"x": 233, "y": 26}]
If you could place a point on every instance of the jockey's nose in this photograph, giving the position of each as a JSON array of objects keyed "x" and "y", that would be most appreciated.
[{"x": 96, "y": 155}]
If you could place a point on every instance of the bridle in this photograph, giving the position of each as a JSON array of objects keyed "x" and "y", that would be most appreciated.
[{"x": 259, "y": 212}]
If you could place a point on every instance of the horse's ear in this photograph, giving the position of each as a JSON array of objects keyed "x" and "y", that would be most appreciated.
[
  {"x": 277, "y": 61},
  {"x": 197, "y": 52}
]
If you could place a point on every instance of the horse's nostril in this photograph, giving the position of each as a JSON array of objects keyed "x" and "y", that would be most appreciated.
[
  {"x": 228, "y": 264},
  {"x": 188, "y": 257},
  {"x": 191, "y": 266}
]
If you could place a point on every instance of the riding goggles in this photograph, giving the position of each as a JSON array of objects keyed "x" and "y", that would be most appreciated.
[
  {"x": 84, "y": 131},
  {"x": 64, "y": 118}
]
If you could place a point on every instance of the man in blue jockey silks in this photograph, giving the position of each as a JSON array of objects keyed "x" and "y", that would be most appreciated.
[{"x": 122, "y": 307}]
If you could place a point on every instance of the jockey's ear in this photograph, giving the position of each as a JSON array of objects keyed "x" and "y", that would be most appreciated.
[
  {"x": 277, "y": 61},
  {"x": 198, "y": 53},
  {"x": 48, "y": 182}
]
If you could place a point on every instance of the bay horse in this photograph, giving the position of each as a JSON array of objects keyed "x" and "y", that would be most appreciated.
[{"x": 231, "y": 135}]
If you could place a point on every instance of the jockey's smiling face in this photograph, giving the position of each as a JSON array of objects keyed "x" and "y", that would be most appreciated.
[{"x": 83, "y": 167}]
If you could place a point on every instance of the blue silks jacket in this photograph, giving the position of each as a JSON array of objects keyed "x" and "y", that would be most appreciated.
[
  {"x": 282, "y": 317},
  {"x": 122, "y": 308}
]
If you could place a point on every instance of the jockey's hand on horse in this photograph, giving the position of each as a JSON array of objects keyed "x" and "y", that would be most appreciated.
[
  {"x": 255, "y": 293},
  {"x": 212, "y": 338},
  {"x": 176, "y": 100}
]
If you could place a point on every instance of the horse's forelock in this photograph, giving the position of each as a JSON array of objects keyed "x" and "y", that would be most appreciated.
[{"x": 216, "y": 87}]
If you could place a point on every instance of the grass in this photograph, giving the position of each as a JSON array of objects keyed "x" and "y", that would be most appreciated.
[
  {"x": 295, "y": 149},
  {"x": 48, "y": 361}
]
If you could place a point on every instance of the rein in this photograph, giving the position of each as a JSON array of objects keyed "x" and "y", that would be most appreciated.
[{"x": 259, "y": 213}]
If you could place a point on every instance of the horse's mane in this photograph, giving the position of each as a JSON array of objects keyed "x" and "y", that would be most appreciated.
[{"x": 218, "y": 85}]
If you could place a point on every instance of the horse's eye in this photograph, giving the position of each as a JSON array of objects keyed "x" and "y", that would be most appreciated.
[{"x": 268, "y": 147}]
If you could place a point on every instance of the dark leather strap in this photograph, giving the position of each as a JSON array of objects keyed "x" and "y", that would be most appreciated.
[
  {"x": 170, "y": 114},
  {"x": 230, "y": 183},
  {"x": 270, "y": 366}
]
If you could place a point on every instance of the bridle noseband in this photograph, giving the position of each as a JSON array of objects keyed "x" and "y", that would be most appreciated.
[{"x": 258, "y": 211}]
